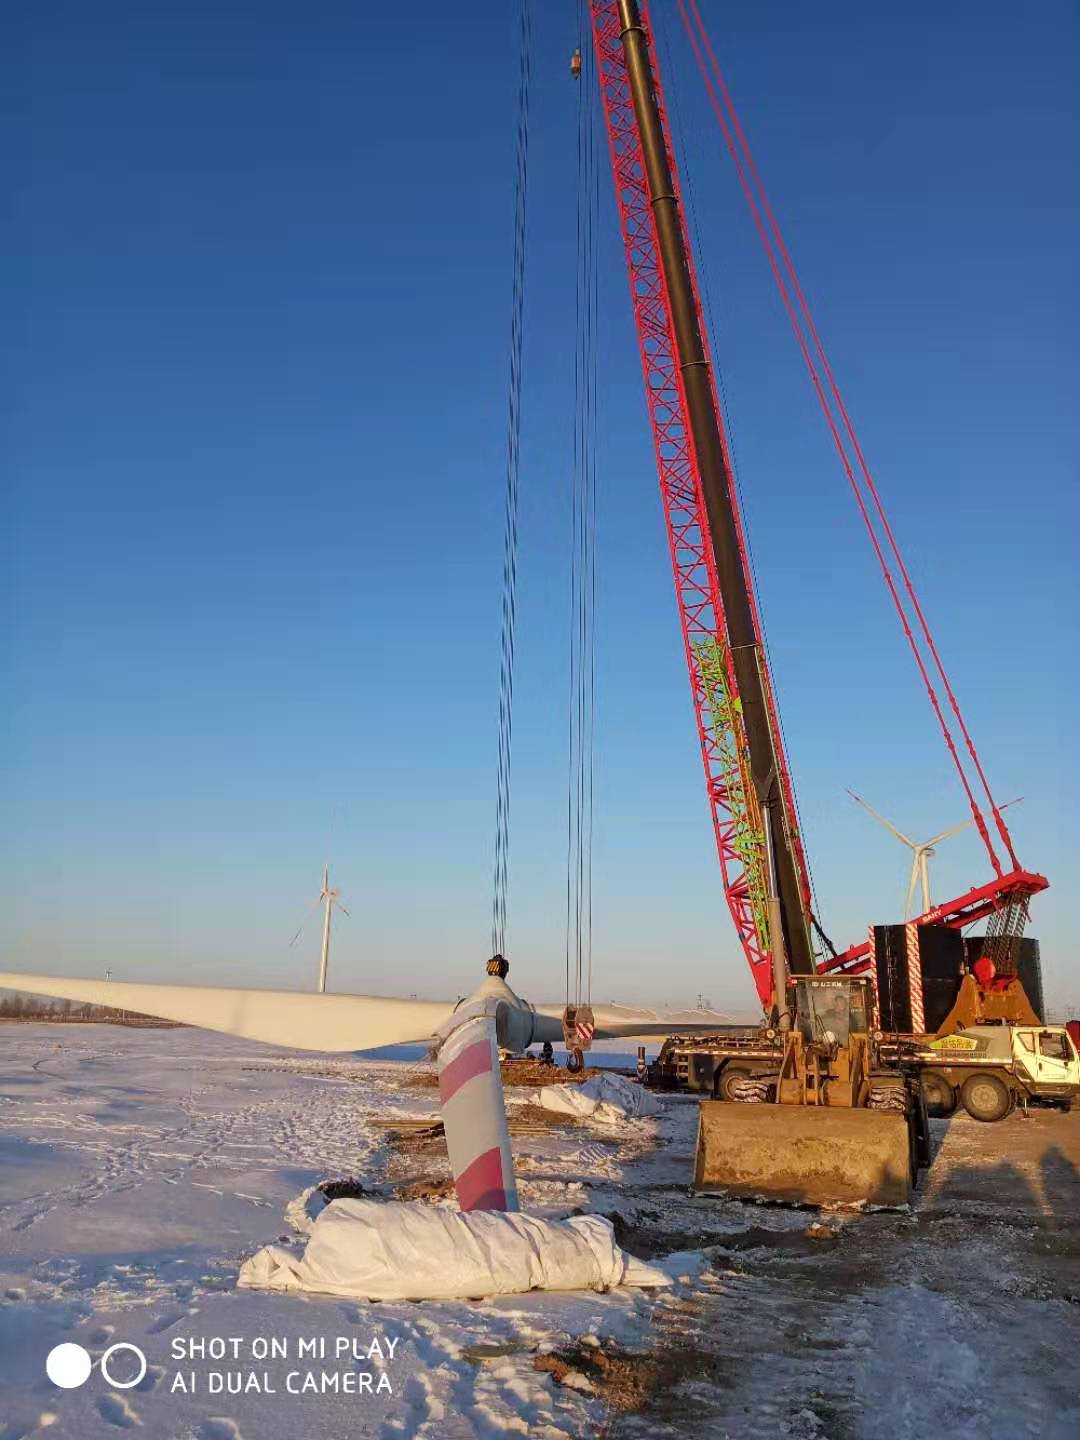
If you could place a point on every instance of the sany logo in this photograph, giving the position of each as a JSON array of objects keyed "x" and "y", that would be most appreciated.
[{"x": 69, "y": 1365}]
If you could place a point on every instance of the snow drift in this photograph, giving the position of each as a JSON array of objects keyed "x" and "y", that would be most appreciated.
[
  {"x": 607, "y": 1098},
  {"x": 402, "y": 1251}
]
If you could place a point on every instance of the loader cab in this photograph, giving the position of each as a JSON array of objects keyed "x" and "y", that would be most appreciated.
[
  {"x": 830, "y": 1012},
  {"x": 828, "y": 1052}
]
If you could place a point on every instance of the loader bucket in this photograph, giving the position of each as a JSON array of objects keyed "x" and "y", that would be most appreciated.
[{"x": 803, "y": 1154}]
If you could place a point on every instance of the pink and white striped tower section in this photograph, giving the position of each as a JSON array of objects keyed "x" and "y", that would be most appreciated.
[
  {"x": 474, "y": 1114},
  {"x": 914, "y": 975},
  {"x": 876, "y": 1018}
]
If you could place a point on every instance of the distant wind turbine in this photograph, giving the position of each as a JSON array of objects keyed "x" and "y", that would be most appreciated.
[
  {"x": 328, "y": 898},
  {"x": 921, "y": 853}
]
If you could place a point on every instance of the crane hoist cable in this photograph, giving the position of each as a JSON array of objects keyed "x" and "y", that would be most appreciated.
[
  {"x": 809, "y": 339},
  {"x": 582, "y": 696},
  {"x": 510, "y": 530}
]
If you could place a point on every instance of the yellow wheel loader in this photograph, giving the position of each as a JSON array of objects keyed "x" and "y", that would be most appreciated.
[{"x": 826, "y": 1122}]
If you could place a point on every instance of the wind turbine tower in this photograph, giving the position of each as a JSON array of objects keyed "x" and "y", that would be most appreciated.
[
  {"x": 329, "y": 898},
  {"x": 920, "y": 852}
]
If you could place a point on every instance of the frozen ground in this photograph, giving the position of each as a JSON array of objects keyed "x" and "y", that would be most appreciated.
[{"x": 138, "y": 1168}]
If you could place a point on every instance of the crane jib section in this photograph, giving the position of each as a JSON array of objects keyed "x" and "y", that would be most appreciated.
[{"x": 734, "y": 793}]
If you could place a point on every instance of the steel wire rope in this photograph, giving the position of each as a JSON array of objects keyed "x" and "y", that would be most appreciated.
[
  {"x": 834, "y": 430},
  {"x": 583, "y": 585},
  {"x": 849, "y": 427},
  {"x": 510, "y": 531}
]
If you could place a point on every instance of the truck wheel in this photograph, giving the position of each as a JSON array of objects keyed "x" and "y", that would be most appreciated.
[
  {"x": 940, "y": 1095},
  {"x": 986, "y": 1097},
  {"x": 722, "y": 1084}
]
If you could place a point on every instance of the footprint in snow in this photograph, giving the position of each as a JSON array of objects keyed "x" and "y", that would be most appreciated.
[
  {"x": 168, "y": 1320},
  {"x": 116, "y": 1411},
  {"x": 219, "y": 1429},
  {"x": 24, "y": 1429}
]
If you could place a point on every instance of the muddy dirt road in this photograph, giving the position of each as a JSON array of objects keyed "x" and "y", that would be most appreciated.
[{"x": 960, "y": 1318}]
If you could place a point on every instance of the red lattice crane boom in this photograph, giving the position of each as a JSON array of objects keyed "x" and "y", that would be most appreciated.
[
  {"x": 747, "y": 776},
  {"x": 748, "y": 781}
]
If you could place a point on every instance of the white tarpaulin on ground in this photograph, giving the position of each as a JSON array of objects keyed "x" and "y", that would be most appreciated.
[
  {"x": 411, "y": 1251},
  {"x": 607, "y": 1098}
]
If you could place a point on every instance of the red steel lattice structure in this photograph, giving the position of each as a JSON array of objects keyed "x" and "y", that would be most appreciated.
[
  {"x": 701, "y": 609},
  {"x": 700, "y": 605}
]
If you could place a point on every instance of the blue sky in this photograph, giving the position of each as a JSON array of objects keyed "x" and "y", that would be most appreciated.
[{"x": 254, "y": 380}]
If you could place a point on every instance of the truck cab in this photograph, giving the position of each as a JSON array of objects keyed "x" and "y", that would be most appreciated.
[
  {"x": 988, "y": 1068},
  {"x": 1046, "y": 1058}
]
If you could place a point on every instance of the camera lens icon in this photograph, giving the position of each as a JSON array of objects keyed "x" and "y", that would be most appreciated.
[{"x": 69, "y": 1365}]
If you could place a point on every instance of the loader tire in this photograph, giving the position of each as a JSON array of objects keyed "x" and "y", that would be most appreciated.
[
  {"x": 722, "y": 1089},
  {"x": 986, "y": 1098},
  {"x": 940, "y": 1094}
]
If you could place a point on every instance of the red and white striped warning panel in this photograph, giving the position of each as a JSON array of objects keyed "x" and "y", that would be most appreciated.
[
  {"x": 915, "y": 980},
  {"x": 578, "y": 1026}
]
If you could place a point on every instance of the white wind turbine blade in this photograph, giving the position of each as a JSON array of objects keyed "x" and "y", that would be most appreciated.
[
  {"x": 341, "y": 907},
  {"x": 301, "y": 1020},
  {"x": 471, "y": 1034},
  {"x": 912, "y": 883},
  {"x": 303, "y": 924},
  {"x": 627, "y": 1022},
  {"x": 881, "y": 819},
  {"x": 470, "y": 1086},
  {"x": 953, "y": 830}
]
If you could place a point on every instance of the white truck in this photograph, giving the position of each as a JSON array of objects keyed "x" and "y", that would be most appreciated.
[{"x": 988, "y": 1068}]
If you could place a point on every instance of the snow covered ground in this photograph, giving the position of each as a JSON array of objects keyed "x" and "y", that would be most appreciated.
[{"x": 139, "y": 1167}]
